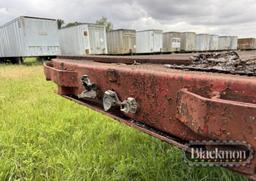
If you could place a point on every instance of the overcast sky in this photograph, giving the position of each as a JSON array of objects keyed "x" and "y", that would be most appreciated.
[{"x": 223, "y": 17}]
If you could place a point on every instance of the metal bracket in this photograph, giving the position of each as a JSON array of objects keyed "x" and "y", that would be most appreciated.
[
  {"x": 110, "y": 99},
  {"x": 129, "y": 105},
  {"x": 90, "y": 88}
]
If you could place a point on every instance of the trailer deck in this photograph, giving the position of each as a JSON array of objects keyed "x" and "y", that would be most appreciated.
[{"x": 175, "y": 106}]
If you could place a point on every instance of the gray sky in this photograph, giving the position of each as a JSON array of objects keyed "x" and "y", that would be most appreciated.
[{"x": 223, "y": 17}]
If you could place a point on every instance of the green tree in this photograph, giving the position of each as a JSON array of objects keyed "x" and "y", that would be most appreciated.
[
  {"x": 73, "y": 24},
  {"x": 60, "y": 22},
  {"x": 104, "y": 21}
]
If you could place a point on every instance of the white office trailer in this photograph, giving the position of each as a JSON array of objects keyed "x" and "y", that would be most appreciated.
[
  {"x": 83, "y": 39},
  {"x": 29, "y": 37},
  {"x": 224, "y": 42},
  {"x": 149, "y": 41},
  {"x": 171, "y": 41},
  {"x": 121, "y": 41},
  {"x": 247, "y": 43},
  {"x": 233, "y": 42},
  {"x": 202, "y": 42},
  {"x": 188, "y": 41},
  {"x": 214, "y": 42}
]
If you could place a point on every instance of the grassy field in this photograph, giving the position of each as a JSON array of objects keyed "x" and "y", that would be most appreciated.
[{"x": 46, "y": 137}]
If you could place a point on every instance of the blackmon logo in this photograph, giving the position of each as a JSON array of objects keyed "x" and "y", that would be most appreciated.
[{"x": 221, "y": 153}]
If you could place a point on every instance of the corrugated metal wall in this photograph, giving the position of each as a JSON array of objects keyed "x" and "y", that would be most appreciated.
[
  {"x": 1, "y": 45},
  {"x": 233, "y": 43},
  {"x": 202, "y": 42},
  {"x": 41, "y": 37},
  {"x": 83, "y": 39},
  {"x": 188, "y": 41},
  {"x": 171, "y": 41},
  {"x": 224, "y": 42},
  {"x": 98, "y": 39},
  {"x": 74, "y": 40},
  {"x": 149, "y": 41},
  {"x": 12, "y": 39},
  {"x": 158, "y": 41},
  {"x": 121, "y": 41},
  {"x": 247, "y": 43},
  {"x": 27, "y": 36},
  {"x": 214, "y": 42}
]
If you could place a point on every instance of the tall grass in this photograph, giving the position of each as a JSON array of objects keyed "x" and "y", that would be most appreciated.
[{"x": 46, "y": 137}]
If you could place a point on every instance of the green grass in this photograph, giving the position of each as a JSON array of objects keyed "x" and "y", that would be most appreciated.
[{"x": 46, "y": 137}]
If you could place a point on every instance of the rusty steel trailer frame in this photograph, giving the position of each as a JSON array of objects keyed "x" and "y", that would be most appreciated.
[{"x": 175, "y": 106}]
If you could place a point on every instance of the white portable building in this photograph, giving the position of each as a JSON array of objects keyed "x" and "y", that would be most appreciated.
[
  {"x": 171, "y": 41},
  {"x": 234, "y": 43},
  {"x": 83, "y": 39},
  {"x": 149, "y": 41},
  {"x": 29, "y": 36},
  {"x": 121, "y": 41},
  {"x": 188, "y": 41},
  {"x": 214, "y": 42},
  {"x": 202, "y": 42},
  {"x": 224, "y": 42}
]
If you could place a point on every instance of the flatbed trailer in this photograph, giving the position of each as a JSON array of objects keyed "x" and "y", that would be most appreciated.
[{"x": 175, "y": 106}]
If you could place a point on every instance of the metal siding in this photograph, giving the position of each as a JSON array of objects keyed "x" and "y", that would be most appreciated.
[
  {"x": 1, "y": 44},
  {"x": 29, "y": 37},
  {"x": 41, "y": 37},
  {"x": 158, "y": 41},
  {"x": 233, "y": 43},
  {"x": 171, "y": 41},
  {"x": 214, "y": 42},
  {"x": 188, "y": 41},
  {"x": 98, "y": 39},
  {"x": 224, "y": 42},
  {"x": 149, "y": 41},
  {"x": 144, "y": 42},
  {"x": 202, "y": 42},
  {"x": 129, "y": 40},
  {"x": 114, "y": 42},
  {"x": 121, "y": 41},
  {"x": 73, "y": 41},
  {"x": 13, "y": 44},
  {"x": 247, "y": 43}
]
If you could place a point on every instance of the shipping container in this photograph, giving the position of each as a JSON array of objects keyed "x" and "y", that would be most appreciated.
[
  {"x": 29, "y": 36},
  {"x": 188, "y": 41},
  {"x": 247, "y": 43},
  {"x": 171, "y": 41},
  {"x": 121, "y": 41},
  {"x": 214, "y": 42},
  {"x": 233, "y": 42},
  {"x": 224, "y": 43},
  {"x": 202, "y": 42},
  {"x": 83, "y": 39},
  {"x": 149, "y": 41}
]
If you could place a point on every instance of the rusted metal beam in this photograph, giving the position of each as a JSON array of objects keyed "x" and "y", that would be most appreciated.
[
  {"x": 135, "y": 124},
  {"x": 174, "y": 105},
  {"x": 183, "y": 59}
]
